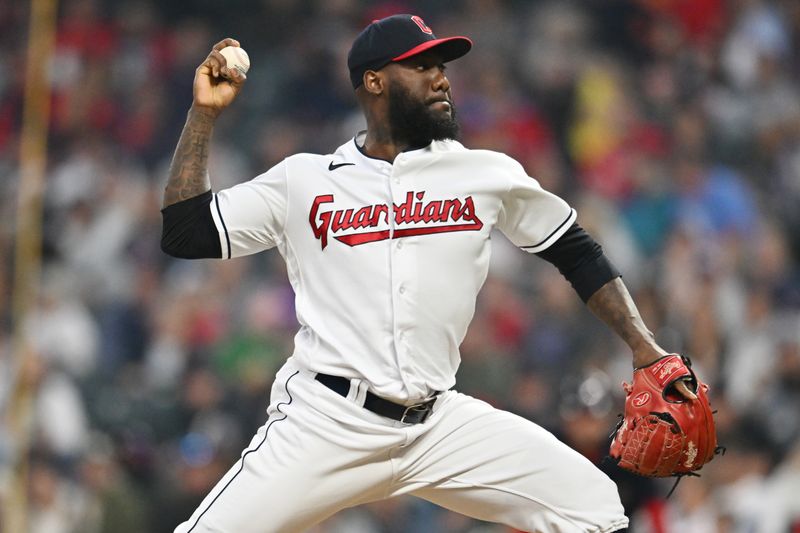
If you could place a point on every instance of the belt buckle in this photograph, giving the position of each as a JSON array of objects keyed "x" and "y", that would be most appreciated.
[{"x": 423, "y": 408}]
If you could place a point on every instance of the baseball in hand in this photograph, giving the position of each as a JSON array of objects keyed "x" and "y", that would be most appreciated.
[{"x": 236, "y": 58}]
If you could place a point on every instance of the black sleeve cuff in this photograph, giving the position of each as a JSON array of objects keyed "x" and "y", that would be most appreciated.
[
  {"x": 188, "y": 229},
  {"x": 581, "y": 260}
]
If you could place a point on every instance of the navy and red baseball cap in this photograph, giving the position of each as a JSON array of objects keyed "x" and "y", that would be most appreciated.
[{"x": 396, "y": 38}]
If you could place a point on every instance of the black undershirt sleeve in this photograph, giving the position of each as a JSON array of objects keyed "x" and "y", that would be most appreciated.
[
  {"x": 581, "y": 260},
  {"x": 188, "y": 229}
]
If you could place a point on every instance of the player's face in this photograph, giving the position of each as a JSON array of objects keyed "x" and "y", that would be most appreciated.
[{"x": 421, "y": 107}]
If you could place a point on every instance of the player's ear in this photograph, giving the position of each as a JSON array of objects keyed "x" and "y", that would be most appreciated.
[{"x": 373, "y": 82}]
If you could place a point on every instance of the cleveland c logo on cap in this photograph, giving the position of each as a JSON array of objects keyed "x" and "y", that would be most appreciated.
[{"x": 421, "y": 23}]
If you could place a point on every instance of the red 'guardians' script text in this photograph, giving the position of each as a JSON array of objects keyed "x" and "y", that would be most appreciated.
[{"x": 440, "y": 213}]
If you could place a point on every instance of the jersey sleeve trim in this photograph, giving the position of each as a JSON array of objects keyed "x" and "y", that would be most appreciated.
[
  {"x": 554, "y": 235},
  {"x": 283, "y": 235},
  {"x": 221, "y": 222}
]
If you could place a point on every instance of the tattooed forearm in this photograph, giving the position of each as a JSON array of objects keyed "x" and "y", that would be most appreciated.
[
  {"x": 188, "y": 173},
  {"x": 613, "y": 304}
]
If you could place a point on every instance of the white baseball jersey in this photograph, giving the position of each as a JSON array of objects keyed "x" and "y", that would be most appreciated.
[{"x": 386, "y": 260}]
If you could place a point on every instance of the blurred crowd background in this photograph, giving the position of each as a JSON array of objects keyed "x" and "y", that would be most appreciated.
[{"x": 673, "y": 127}]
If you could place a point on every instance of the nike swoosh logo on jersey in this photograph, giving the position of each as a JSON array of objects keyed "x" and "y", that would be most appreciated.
[{"x": 331, "y": 166}]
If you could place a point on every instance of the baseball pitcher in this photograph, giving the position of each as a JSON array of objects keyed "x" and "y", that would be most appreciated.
[{"x": 386, "y": 243}]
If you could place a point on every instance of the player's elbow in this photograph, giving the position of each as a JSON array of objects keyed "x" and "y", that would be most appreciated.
[
  {"x": 178, "y": 249},
  {"x": 183, "y": 244}
]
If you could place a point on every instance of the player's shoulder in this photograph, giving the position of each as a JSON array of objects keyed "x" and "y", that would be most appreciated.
[
  {"x": 478, "y": 154},
  {"x": 300, "y": 163},
  {"x": 305, "y": 159},
  {"x": 310, "y": 161}
]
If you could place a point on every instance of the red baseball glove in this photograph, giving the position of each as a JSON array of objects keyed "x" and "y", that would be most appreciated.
[{"x": 662, "y": 433}]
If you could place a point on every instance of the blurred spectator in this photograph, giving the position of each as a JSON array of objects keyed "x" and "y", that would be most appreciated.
[
  {"x": 112, "y": 504},
  {"x": 52, "y": 499}
]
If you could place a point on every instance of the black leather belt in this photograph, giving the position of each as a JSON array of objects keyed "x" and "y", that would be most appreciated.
[{"x": 408, "y": 414}]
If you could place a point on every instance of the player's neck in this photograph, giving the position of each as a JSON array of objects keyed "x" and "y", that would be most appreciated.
[
  {"x": 381, "y": 145},
  {"x": 379, "y": 150}
]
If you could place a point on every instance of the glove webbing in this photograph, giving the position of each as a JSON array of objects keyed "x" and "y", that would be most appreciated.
[{"x": 719, "y": 450}]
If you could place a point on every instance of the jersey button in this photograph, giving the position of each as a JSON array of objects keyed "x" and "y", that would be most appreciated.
[
  {"x": 399, "y": 245},
  {"x": 401, "y": 290}
]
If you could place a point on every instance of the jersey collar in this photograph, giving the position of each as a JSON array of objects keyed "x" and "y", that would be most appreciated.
[
  {"x": 352, "y": 151},
  {"x": 357, "y": 146}
]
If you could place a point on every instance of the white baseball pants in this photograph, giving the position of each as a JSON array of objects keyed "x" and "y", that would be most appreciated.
[{"x": 319, "y": 453}]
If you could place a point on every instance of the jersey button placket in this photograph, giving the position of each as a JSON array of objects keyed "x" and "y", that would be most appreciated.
[
  {"x": 398, "y": 164},
  {"x": 400, "y": 283}
]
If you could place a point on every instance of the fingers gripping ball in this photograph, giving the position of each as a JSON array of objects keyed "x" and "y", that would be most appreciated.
[
  {"x": 237, "y": 58},
  {"x": 662, "y": 434}
]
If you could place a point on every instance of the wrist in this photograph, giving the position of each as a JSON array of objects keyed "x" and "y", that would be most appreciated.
[
  {"x": 204, "y": 111},
  {"x": 645, "y": 355}
]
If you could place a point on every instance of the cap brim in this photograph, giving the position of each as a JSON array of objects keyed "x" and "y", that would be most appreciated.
[{"x": 450, "y": 47}]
